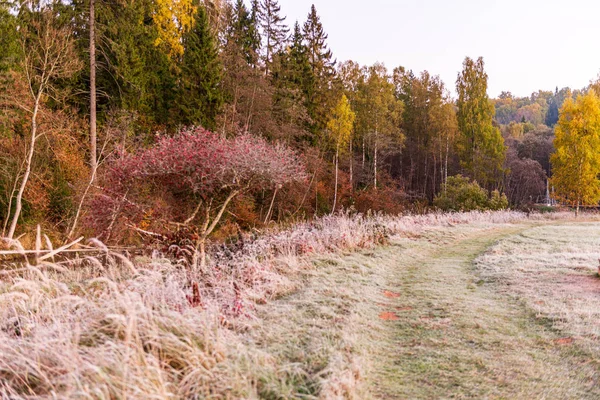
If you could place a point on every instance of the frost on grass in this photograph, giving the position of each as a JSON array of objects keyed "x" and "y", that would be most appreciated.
[
  {"x": 109, "y": 327},
  {"x": 553, "y": 270}
]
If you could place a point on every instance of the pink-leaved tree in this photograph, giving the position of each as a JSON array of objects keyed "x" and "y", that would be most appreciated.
[{"x": 189, "y": 180}]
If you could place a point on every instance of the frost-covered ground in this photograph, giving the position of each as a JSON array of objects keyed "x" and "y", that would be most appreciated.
[
  {"x": 291, "y": 314},
  {"x": 553, "y": 270}
]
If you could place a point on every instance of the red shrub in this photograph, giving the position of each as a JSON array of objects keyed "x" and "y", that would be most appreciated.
[{"x": 189, "y": 179}]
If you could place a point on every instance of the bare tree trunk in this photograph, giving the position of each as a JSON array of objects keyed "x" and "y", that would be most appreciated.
[
  {"x": 247, "y": 126},
  {"x": 351, "y": 168},
  {"x": 268, "y": 217},
  {"x": 10, "y": 200},
  {"x": 363, "y": 153},
  {"x": 80, "y": 206},
  {"x": 208, "y": 227},
  {"x": 446, "y": 162},
  {"x": 19, "y": 199},
  {"x": 335, "y": 190},
  {"x": 93, "y": 150},
  {"x": 375, "y": 159}
]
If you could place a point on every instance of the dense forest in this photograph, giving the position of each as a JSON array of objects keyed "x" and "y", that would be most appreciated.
[{"x": 153, "y": 118}]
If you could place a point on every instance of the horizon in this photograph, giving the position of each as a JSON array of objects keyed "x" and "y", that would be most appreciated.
[{"x": 438, "y": 36}]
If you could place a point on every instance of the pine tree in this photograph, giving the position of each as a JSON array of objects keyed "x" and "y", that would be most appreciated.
[
  {"x": 274, "y": 30},
  {"x": 243, "y": 30},
  {"x": 481, "y": 146},
  {"x": 299, "y": 69},
  {"x": 552, "y": 114},
  {"x": 292, "y": 78},
  {"x": 322, "y": 66},
  {"x": 319, "y": 56},
  {"x": 576, "y": 162},
  {"x": 199, "y": 96},
  {"x": 254, "y": 38},
  {"x": 9, "y": 48}
]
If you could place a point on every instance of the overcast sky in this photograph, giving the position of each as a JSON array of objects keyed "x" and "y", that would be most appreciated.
[{"x": 527, "y": 44}]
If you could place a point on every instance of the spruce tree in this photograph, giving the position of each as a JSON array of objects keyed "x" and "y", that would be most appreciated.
[
  {"x": 199, "y": 95},
  {"x": 274, "y": 30},
  {"x": 320, "y": 100},
  {"x": 294, "y": 68},
  {"x": 320, "y": 57},
  {"x": 552, "y": 113},
  {"x": 291, "y": 76},
  {"x": 9, "y": 48},
  {"x": 243, "y": 30}
]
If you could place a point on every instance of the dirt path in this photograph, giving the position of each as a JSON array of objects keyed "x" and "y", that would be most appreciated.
[{"x": 415, "y": 320}]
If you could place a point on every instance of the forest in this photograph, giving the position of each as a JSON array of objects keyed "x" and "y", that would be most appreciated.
[
  {"x": 198, "y": 200},
  {"x": 153, "y": 119}
]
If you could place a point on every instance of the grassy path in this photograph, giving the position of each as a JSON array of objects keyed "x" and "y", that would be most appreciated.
[
  {"x": 461, "y": 339},
  {"x": 414, "y": 320}
]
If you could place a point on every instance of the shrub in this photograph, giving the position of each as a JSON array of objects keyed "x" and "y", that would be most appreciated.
[
  {"x": 462, "y": 194},
  {"x": 188, "y": 182}
]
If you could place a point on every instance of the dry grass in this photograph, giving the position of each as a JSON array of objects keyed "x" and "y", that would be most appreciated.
[
  {"x": 554, "y": 271},
  {"x": 149, "y": 328}
]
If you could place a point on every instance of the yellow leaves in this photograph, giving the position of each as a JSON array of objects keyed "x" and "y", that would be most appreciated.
[
  {"x": 173, "y": 18},
  {"x": 576, "y": 162},
  {"x": 341, "y": 123}
]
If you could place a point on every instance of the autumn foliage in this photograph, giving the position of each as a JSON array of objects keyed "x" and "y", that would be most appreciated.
[{"x": 188, "y": 180}]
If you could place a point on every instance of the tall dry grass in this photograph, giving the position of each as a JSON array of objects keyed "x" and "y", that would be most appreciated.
[{"x": 109, "y": 327}]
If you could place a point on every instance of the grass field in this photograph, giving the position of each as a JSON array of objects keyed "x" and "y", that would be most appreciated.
[
  {"x": 448, "y": 313},
  {"x": 464, "y": 306}
]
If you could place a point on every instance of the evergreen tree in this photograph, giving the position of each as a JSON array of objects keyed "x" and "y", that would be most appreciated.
[
  {"x": 319, "y": 56},
  {"x": 274, "y": 30},
  {"x": 319, "y": 96},
  {"x": 552, "y": 114},
  {"x": 243, "y": 30},
  {"x": 292, "y": 78},
  {"x": 298, "y": 68},
  {"x": 481, "y": 146},
  {"x": 254, "y": 38},
  {"x": 199, "y": 95},
  {"x": 126, "y": 41},
  {"x": 9, "y": 47}
]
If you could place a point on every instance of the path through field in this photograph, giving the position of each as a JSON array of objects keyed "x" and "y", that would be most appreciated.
[{"x": 420, "y": 319}]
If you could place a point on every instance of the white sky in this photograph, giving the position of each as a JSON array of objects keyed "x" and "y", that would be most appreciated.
[{"x": 527, "y": 44}]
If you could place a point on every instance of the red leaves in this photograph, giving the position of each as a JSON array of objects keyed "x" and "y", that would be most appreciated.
[
  {"x": 197, "y": 159},
  {"x": 194, "y": 164}
]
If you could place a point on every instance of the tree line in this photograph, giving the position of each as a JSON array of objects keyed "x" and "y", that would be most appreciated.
[{"x": 86, "y": 86}]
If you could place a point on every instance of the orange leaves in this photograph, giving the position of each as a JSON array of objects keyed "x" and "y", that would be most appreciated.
[
  {"x": 388, "y": 316},
  {"x": 564, "y": 341}
]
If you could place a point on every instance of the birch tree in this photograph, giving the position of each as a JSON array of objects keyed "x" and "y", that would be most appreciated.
[
  {"x": 340, "y": 128},
  {"x": 576, "y": 162},
  {"x": 48, "y": 55}
]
